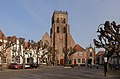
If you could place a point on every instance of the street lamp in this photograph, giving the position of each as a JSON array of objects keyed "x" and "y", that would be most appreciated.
[{"x": 105, "y": 65}]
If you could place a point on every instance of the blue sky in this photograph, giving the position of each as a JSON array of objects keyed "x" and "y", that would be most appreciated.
[{"x": 32, "y": 18}]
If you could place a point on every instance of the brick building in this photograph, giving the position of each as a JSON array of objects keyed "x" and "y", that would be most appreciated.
[
  {"x": 60, "y": 37},
  {"x": 62, "y": 42}
]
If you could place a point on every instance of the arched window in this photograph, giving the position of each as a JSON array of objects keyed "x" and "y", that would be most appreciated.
[
  {"x": 57, "y": 20},
  {"x": 46, "y": 42},
  {"x": 64, "y": 20},
  {"x": 64, "y": 30},
  {"x": 90, "y": 54},
  {"x": 58, "y": 29}
]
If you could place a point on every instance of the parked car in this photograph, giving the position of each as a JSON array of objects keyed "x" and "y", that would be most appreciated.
[
  {"x": 33, "y": 65},
  {"x": 27, "y": 66},
  {"x": 15, "y": 66}
]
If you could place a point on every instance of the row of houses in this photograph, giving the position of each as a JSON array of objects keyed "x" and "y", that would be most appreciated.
[
  {"x": 19, "y": 53},
  {"x": 114, "y": 60}
]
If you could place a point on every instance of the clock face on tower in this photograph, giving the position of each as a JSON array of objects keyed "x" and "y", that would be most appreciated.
[{"x": 60, "y": 16}]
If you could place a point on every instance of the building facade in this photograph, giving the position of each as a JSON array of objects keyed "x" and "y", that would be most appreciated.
[
  {"x": 100, "y": 57},
  {"x": 90, "y": 55},
  {"x": 4, "y": 53},
  {"x": 79, "y": 56}
]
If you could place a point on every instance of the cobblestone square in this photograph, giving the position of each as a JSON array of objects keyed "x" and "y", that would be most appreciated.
[{"x": 58, "y": 72}]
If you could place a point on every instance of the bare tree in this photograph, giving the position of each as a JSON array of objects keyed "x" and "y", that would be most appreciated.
[{"x": 108, "y": 38}]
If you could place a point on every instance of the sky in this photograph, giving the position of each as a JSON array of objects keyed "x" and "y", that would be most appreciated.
[{"x": 30, "y": 19}]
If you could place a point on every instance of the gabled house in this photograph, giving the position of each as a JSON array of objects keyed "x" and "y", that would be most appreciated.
[
  {"x": 78, "y": 55},
  {"x": 4, "y": 53},
  {"x": 90, "y": 55},
  {"x": 100, "y": 57}
]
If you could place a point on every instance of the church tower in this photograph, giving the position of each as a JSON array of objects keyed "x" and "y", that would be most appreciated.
[{"x": 61, "y": 39}]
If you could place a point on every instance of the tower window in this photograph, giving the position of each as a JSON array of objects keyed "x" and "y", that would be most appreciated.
[
  {"x": 90, "y": 54},
  {"x": 58, "y": 30},
  {"x": 64, "y": 30},
  {"x": 57, "y": 20},
  {"x": 64, "y": 20}
]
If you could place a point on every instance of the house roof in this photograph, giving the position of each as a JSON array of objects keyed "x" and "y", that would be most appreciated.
[
  {"x": 77, "y": 47},
  {"x": 100, "y": 53},
  {"x": 2, "y": 35},
  {"x": 26, "y": 45}
]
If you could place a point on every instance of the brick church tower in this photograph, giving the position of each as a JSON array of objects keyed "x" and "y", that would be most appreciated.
[{"x": 61, "y": 39}]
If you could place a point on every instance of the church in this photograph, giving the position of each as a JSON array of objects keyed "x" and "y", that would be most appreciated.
[
  {"x": 61, "y": 40},
  {"x": 64, "y": 48}
]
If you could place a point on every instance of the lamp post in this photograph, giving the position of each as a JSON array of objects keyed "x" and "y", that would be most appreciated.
[{"x": 105, "y": 65}]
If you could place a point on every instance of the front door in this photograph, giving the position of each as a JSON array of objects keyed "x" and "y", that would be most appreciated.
[
  {"x": 61, "y": 61},
  {"x": 74, "y": 61}
]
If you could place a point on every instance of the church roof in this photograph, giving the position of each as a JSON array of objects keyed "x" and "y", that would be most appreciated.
[
  {"x": 46, "y": 38},
  {"x": 65, "y": 12},
  {"x": 46, "y": 35}
]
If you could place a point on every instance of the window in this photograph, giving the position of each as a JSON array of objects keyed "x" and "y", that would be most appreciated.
[
  {"x": 29, "y": 60},
  {"x": 61, "y": 50},
  {"x": 57, "y": 29},
  {"x": 78, "y": 60},
  {"x": 64, "y": 30},
  {"x": 90, "y": 54},
  {"x": 18, "y": 59},
  {"x": 64, "y": 20},
  {"x": 81, "y": 53},
  {"x": 83, "y": 60},
  {"x": 57, "y": 20},
  {"x": 4, "y": 59}
]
